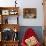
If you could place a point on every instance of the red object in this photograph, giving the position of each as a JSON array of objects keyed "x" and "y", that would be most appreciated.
[{"x": 29, "y": 33}]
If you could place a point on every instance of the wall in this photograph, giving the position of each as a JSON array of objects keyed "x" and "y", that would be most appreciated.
[{"x": 30, "y": 4}]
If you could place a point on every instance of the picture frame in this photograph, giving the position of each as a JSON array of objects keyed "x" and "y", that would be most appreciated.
[
  {"x": 6, "y": 34},
  {"x": 9, "y": 34},
  {"x": 29, "y": 13},
  {"x": 13, "y": 12},
  {"x": 10, "y": 20},
  {"x": 5, "y": 19},
  {"x": 5, "y": 12}
]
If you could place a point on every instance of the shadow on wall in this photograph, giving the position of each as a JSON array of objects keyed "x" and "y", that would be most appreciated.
[{"x": 37, "y": 29}]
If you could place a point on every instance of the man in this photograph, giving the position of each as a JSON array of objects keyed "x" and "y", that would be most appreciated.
[{"x": 30, "y": 38}]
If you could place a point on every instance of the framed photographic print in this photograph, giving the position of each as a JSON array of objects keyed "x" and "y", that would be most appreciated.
[
  {"x": 11, "y": 20},
  {"x": 29, "y": 13},
  {"x": 5, "y": 12},
  {"x": 13, "y": 12},
  {"x": 6, "y": 34}
]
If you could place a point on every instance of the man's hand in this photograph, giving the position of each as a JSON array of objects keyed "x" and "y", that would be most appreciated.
[{"x": 32, "y": 41}]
